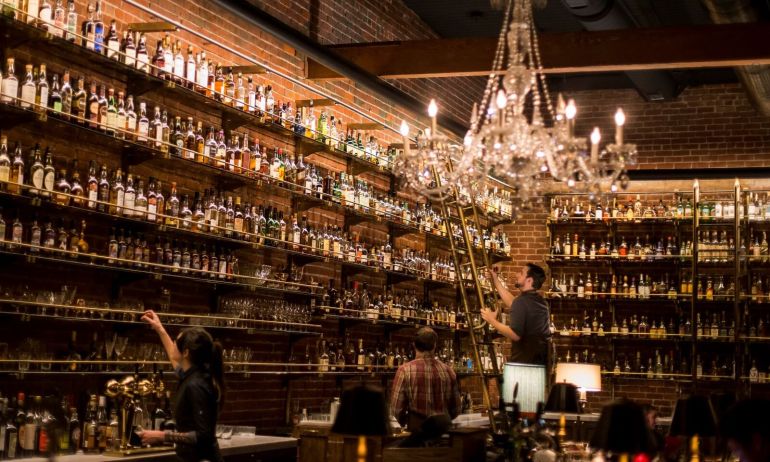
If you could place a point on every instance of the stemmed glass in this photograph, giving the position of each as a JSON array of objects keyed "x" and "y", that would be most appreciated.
[{"x": 120, "y": 346}]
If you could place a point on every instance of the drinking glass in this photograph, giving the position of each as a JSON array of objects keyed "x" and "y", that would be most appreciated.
[{"x": 120, "y": 346}]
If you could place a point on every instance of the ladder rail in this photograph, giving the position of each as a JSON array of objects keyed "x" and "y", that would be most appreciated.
[{"x": 479, "y": 293}]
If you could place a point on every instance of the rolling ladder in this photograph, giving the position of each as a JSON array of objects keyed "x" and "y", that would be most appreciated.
[{"x": 464, "y": 259}]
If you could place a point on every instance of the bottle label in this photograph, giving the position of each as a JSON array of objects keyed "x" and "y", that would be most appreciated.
[
  {"x": 112, "y": 120},
  {"x": 12, "y": 445},
  {"x": 43, "y": 97},
  {"x": 144, "y": 129},
  {"x": 10, "y": 90},
  {"x": 179, "y": 66},
  {"x": 29, "y": 436},
  {"x": 151, "y": 211},
  {"x": 93, "y": 195},
  {"x": 27, "y": 95},
  {"x": 129, "y": 204},
  {"x": 130, "y": 57},
  {"x": 5, "y": 173},
  {"x": 37, "y": 178},
  {"x": 113, "y": 46},
  {"x": 141, "y": 62}
]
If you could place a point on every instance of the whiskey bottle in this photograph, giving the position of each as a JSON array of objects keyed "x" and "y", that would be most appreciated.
[
  {"x": 129, "y": 197},
  {"x": 113, "y": 42},
  {"x": 28, "y": 89},
  {"x": 10, "y": 84},
  {"x": 142, "y": 55},
  {"x": 143, "y": 123},
  {"x": 5, "y": 163},
  {"x": 128, "y": 48},
  {"x": 16, "y": 178},
  {"x": 36, "y": 173},
  {"x": 98, "y": 29},
  {"x": 93, "y": 111},
  {"x": 140, "y": 200},
  {"x": 41, "y": 93},
  {"x": 92, "y": 186}
]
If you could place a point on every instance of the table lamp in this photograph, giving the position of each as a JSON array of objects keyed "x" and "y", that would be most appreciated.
[
  {"x": 531, "y": 380},
  {"x": 362, "y": 413},
  {"x": 563, "y": 398},
  {"x": 586, "y": 377},
  {"x": 693, "y": 418},
  {"x": 622, "y": 429}
]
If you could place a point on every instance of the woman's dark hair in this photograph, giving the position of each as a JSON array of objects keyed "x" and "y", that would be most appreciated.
[{"x": 206, "y": 354}]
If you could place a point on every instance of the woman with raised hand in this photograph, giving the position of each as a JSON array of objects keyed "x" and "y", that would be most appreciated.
[{"x": 197, "y": 361}]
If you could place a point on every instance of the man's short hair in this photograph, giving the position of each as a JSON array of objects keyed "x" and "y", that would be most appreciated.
[
  {"x": 426, "y": 339},
  {"x": 537, "y": 274}
]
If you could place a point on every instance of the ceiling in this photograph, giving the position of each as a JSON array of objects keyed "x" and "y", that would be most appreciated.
[{"x": 476, "y": 18}]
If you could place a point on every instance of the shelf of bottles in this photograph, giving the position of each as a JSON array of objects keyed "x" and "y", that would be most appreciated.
[{"x": 623, "y": 275}]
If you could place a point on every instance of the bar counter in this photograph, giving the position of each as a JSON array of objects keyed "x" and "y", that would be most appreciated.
[{"x": 273, "y": 448}]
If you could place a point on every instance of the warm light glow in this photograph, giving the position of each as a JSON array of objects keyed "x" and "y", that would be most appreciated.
[
  {"x": 468, "y": 139},
  {"x": 596, "y": 136},
  {"x": 501, "y": 99},
  {"x": 571, "y": 183},
  {"x": 587, "y": 377},
  {"x": 404, "y": 128},
  {"x": 571, "y": 109},
  {"x": 614, "y": 187},
  {"x": 620, "y": 118},
  {"x": 432, "y": 108}
]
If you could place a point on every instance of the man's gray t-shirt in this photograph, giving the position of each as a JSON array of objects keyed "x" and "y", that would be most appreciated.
[{"x": 529, "y": 319}]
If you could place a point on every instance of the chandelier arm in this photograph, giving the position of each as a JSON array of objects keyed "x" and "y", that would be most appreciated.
[{"x": 497, "y": 65}]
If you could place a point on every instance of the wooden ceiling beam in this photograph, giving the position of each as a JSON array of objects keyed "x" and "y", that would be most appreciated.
[{"x": 710, "y": 46}]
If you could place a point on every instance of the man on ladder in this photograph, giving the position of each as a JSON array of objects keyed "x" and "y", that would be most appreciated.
[{"x": 529, "y": 327}]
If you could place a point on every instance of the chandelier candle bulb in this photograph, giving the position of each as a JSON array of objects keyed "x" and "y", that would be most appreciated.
[
  {"x": 595, "y": 138},
  {"x": 432, "y": 111},
  {"x": 570, "y": 112},
  {"x": 404, "y": 129},
  {"x": 620, "y": 120}
]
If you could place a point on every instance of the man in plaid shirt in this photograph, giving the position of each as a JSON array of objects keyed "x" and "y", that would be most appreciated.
[{"x": 424, "y": 387}]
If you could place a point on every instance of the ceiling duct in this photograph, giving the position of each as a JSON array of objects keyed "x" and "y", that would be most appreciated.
[
  {"x": 755, "y": 79},
  {"x": 598, "y": 15}
]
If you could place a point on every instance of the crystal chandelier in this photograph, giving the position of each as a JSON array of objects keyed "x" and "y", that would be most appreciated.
[
  {"x": 427, "y": 169},
  {"x": 508, "y": 137}
]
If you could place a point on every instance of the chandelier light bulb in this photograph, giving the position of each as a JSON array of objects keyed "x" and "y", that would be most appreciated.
[
  {"x": 571, "y": 182},
  {"x": 620, "y": 118},
  {"x": 571, "y": 109},
  {"x": 404, "y": 130},
  {"x": 432, "y": 108},
  {"x": 596, "y": 136},
  {"x": 501, "y": 99}
]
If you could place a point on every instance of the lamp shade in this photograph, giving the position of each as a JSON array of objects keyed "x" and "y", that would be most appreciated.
[
  {"x": 531, "y": 381},
  {"x": 693, "y": 416},
  {"x": 622, "y": 429},
  {"x": 587, "y": 377},
  {"x": 362, "y": 412},
  {"x": 563, "y": 398}
]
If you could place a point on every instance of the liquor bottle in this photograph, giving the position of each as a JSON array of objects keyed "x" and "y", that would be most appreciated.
[
  {"x": 87, "y": 29},
  {"x": 36, "y": 172},
  {"x": 361, "y": 356},
  {"x": 129, "y": 197},
  {"x": 90, "y": 428},
  {"x": 92, "y": 186},
  {"x": 142, "y": 55},
  {"x": 102, "y": 424},
  {"x": 140, "y": 200},
  {"x": 93, "y": 108},
  {"x": 16, "y": 178},
  {"x": 41, "y": 91},
  {"x": 10, "y": 84},
  {"x": 5, "y": 164},
  {"x": 28, "y": 88}
]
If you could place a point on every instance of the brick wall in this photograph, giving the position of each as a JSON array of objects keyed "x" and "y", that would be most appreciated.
[{"x": 707, "y": 126}]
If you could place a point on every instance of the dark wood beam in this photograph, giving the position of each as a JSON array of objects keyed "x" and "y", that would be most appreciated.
[{"x": 726, "y": 45}]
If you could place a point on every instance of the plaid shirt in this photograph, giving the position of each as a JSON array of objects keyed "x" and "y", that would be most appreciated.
[{"x": 425, "y": 386}]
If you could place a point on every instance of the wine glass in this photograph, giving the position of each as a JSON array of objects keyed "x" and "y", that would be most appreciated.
[{"x": 120, "y": 346}]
